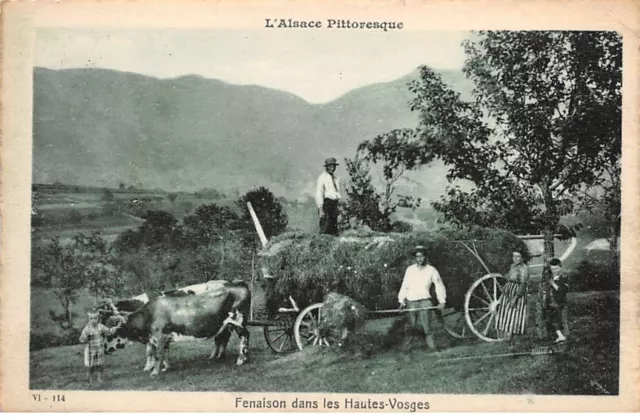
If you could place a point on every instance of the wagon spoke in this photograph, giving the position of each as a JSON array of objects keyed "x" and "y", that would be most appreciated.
[
  {"x": 486, "y": 329},
  {"x": 484, "y": 301},
  {"x": 283, "y": 334},
  {"x": 481, "y": 318},
  {"x": 283, "y": 343},
  {"x": 314, "y": 322},
  {"x": 485, "y": 290},
  {"x": 283, "y": 337},
  {"x": 475, "y": 315},
  {"x": 495, "y": 289}
]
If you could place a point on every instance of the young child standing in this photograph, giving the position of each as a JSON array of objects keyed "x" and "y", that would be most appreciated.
[
  {"x": 94, "y": 335},
  {"x": 557, "y": 300}
]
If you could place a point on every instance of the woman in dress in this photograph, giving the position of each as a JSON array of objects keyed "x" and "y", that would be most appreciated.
[{"x": 512, "y": 311}]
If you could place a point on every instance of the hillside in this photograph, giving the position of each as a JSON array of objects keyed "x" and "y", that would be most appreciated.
[{"x": 102, "y": 127}]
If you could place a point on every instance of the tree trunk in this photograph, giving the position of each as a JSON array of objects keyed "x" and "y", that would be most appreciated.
[
  {"x": 551, "y": 221},
  {"x": 614, "y": 233},
  {"x": 222, "y": 257},
  {"x": 613, "y": 244},
  {"x": 66, "y": 306},
  {"x": 549, "y": 253}
]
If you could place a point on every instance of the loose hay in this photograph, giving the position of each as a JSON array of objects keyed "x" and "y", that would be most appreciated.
[
  {"x": 341, "y": 315},
  {"x": 369, "y": 266}
]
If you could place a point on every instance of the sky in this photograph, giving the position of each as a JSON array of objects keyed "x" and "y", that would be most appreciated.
[{"x": 316, "y": 65}]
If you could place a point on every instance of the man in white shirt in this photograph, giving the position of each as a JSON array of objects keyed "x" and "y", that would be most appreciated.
[
  {"x": 328, "y": 197},
  {"x": 414, "y": 294}
]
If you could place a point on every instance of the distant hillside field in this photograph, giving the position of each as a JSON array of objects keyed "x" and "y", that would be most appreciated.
[{"x": 65, "y": 210}]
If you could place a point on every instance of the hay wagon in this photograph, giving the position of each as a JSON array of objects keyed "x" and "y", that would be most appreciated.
[
  {"x": 474, "y": 290},
  {"x": 294, "y": 328}
]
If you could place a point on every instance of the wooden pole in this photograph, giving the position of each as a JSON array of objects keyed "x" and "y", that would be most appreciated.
[
  {"x": 256, "y": 223},
  {"x": 253, "y": 256}
]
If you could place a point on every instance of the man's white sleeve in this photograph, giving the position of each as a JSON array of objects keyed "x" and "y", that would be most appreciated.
[
  {"x": 319, "y": 192},
  {"x": 405, "y": 285},
  {"x": 441, "y": 291}
]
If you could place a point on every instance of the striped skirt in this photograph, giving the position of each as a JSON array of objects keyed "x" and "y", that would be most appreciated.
[{"x": 512, "y": 318}]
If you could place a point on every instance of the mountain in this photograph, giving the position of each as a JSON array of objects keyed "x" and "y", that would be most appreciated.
[{"x": 102, "y": 127}]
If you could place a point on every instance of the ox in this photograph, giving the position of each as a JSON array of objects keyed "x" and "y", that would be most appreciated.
[
  {"x": 215, "y": 313},
  {"x": 126, "y": 307}
]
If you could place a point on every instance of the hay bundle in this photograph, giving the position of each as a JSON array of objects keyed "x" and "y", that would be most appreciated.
[
  {"x": 369, "y": 266},
  {"x": 341, "y": 315}
]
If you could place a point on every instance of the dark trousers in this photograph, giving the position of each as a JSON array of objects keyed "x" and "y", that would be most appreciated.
[
  {"x": 557, "y": 319},
  {"x": 329, "y": 222},
  {"x": 419, "y": 321}
]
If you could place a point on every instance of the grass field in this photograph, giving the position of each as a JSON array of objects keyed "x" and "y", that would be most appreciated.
[{"x": 589, "y": 366}]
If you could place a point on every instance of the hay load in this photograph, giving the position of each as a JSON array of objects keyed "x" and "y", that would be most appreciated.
[{"x": 369, "y": 266}]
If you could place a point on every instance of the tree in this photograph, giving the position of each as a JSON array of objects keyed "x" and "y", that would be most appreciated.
[
  {"x": 55, "y": 267},
  {"x": 67, "y": 269},
  {"x": 269, "y": 210},
  {"x": 362, "y": 198},
  {"x": 210, "y": 223},
  {"x": 160, "y": 229},
  {"x": 394, "y": 153},
  {"x": 128, "y": 241},
  {"x": 603, "y": 205},
  {"x": 143, "y": 269},
  {"x": 100, "y": 276},
  {"x": 545, "y": 124},
  {"x": 172, "y": 197}
]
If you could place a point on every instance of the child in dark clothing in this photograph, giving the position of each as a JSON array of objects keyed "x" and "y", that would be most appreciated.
[{"x": 557, "y": 300}]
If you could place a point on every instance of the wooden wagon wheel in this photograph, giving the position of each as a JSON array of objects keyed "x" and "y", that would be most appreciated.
[
  {"x": 307, "y": 328},
  {"x": 279, "y": 335},
  {"x": 481, "y": 306},
  {"x": 455, "y": 323}
]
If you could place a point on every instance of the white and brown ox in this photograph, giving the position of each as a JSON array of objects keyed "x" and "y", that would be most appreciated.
[{"x": 215, "y": 313}]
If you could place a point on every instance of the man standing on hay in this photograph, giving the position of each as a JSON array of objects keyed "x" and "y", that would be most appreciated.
[
  {"x": 328, "y": 197},
  {"x": 414, "y": 295}
]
